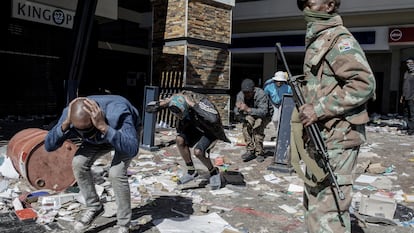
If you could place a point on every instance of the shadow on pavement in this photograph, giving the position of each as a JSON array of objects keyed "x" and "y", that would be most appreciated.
[{"x": 160, "y": 208}]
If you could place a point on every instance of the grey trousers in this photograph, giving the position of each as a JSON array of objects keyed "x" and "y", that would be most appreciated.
[
  {"x": 81, "y": 165},
  {"x": 410, "y": 122}
]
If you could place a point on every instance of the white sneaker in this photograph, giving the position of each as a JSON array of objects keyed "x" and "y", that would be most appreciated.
[
  {"x": 215, "y": 181},
  {"x": 87, "y": 218},
  {"x": 187, "y": 178}
]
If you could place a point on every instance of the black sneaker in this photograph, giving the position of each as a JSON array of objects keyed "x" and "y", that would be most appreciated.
[
  {"x": 246, "y": 155},
  {"x": 250, "y": 157}
]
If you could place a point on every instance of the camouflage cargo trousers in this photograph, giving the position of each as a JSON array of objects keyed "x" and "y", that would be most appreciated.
[
  {"x": 253, "y": 133},
  {"x": 321, "y": 213}
]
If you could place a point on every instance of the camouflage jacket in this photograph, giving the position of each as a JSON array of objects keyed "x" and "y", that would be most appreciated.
[{"x": 338, "y": 82}]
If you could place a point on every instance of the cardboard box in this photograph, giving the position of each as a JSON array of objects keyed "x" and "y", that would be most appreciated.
[
  {"x": 377, "y": 206},
  {"x": 26, "y": 214}
]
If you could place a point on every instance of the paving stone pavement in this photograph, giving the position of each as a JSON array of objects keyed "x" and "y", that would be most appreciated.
[{"x": 259, "y": 206}]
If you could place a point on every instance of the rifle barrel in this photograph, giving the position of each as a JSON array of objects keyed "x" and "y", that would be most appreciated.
[{"x": 313, "y": 129}]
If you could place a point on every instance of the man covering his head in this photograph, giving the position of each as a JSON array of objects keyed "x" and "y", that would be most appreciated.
[
  {"x": 199, "y": 126},
  {"x": 178, "y": 106},
  {"x": 103, "y": 123}
]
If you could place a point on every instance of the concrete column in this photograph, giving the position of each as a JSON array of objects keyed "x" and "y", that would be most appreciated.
[{"x": 190, "y": 49}]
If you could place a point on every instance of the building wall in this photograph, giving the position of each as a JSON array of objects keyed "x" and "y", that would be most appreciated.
[
  {"x": 201, "y": 32},
  {"x": 209, "y": 21},
  {"x": 268, "y": 21},
  {"x": 191, "y": 37}
]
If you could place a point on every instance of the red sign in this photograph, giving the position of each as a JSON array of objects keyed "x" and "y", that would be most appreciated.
[{"x": 401, "y": 35}]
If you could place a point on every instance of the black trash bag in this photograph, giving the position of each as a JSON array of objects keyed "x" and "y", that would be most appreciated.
[
  {"x": 234, "y": 178},
  {"x": 403, "y": 213}
]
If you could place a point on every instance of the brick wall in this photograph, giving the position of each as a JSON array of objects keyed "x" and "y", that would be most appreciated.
[
  {"x": 204, "y": 20},
  {"x": 207, "y": 67},
  {"x": 209, "y": 21},
  {"x": 191, "y": 38},
  {"x": 222, "y": 102}
]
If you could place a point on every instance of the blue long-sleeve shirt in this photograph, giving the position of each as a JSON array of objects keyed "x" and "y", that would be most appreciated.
[
  {"x": 123, "y": 121},
  {"x": 276, "y": 93}
]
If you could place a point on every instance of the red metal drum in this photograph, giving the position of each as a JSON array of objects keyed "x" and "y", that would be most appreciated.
[{"x": 42, "y": 169}]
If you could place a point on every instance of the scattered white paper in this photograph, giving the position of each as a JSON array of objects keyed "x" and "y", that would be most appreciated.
[
  {"x": 214, "y": 155},
  {"x": 7, "y": 169},
  {"x": 205, "y": 223},
  {"x": 3, "y": 185},
  {"x": 295, "y": 188},
  {"x": 272, "y": 179},
  {"x": 222, "y": 191},
  {"x": 272, "y": 194},
  {"x": 146, "y": 163},
  {"x": 365, "y": 179},
  {"x": 17, "y": 204},
  {"x": 288, "y": 209},
  {"x": 145, "y": 156},
  {"x": 253, "y": 182}
]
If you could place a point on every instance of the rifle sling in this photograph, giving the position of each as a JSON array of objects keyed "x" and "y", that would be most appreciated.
[{"x": 298, "y": 152}]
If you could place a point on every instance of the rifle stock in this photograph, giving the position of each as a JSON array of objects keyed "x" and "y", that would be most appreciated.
[{"x": 313, "y": 129}]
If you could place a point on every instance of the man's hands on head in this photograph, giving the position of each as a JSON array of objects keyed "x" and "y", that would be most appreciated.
[
  {"x": 66, "y": 124},
  {"x": 189, "y": 101},
  {"x": 97, "y": 115}
]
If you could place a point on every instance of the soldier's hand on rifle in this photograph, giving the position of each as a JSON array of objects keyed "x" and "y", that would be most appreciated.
[{"x": 307, "y": 114}]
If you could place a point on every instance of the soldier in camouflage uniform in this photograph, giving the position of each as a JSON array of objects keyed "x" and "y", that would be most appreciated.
[{"x": 338, "y": 84}]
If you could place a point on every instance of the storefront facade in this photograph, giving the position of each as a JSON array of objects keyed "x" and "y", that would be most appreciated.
[
  {"x": 38, "y": 38},
  {"x": 258, "y": 25}
]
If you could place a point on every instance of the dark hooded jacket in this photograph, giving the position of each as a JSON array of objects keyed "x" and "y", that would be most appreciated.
[{"x": 203, "y": 115}]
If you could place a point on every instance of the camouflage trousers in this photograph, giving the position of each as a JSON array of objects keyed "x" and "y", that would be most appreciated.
[
  {"x": 253, "y": 133},
  {"x": 325, "y": 212}
]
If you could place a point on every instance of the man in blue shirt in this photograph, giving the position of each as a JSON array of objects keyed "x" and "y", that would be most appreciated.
[
  {"x": 275, "y": 88},
  {"x": 103, "y": 123}
]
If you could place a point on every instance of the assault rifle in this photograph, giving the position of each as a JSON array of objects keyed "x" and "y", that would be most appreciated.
[{"x": 313, "y": 130}]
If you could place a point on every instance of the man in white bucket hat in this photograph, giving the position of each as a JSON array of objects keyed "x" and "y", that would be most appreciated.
[{"x": 275, "y": 88}]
